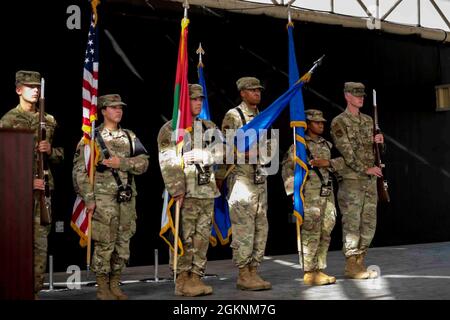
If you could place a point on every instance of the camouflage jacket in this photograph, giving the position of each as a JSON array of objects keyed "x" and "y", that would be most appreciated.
[
  {"x": 353, "y": 137},
  {"x": 318, "y": 149},
  {"x": 104, "y": 183},
  {"x": 180, "y": 180},
  {"x": 18, "y": 118},
  {"x": 232, "y": 121}
]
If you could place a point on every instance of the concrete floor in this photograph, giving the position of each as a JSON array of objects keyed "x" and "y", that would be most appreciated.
[{"x": 417, "y": 272}]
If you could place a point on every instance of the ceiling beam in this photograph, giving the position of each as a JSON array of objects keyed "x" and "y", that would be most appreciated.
[{"x": 245, "y": 7}]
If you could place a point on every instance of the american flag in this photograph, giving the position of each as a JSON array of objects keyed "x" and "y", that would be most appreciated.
[{"x": 79, "y": 220}]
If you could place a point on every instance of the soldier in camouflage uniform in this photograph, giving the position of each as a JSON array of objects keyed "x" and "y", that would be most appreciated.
[
  {"x": 247, "y": 200},
  {"x": 319, "y": 207},
  {"x": 25, "y": 116},
  {"x": 352, "y": 132},
  {"x": 114, "y": 210},
  {"x": 195, "y": 191}
]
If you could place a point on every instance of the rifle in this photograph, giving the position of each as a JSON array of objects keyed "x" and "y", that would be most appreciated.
[
  {"x": 382, "y": 184},
  {"x": 44, "y": 195}
]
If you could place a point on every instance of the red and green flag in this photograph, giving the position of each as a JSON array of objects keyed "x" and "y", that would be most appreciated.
[
  {"x": 181, "y": 122},
  {"x": 181, "y": 117}
]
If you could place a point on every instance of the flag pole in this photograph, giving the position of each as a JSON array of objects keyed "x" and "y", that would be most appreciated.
[
  {"x": 175, "y": 246},
  {"x": 297, "y": 223},
  {"x": 177, "y": 208},
  {"x": 91, "y": 181},
  {"x": 200, "y": 52},
  {"x": 186, "y": 7},
  {"x": 94, "y": 4}
]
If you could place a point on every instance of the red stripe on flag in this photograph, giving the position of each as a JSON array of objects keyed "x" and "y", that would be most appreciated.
[
  {"x": 84, "y": 225},
  {"x": 77, "y": 211}
]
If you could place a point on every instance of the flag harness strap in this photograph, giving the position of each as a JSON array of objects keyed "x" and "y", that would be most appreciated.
[
  {"x": 107, "y": 155},
  {"x": 257, "y": 178},
  {"x": 199, "y": 168},
  {"x": 326, "y": 187}
]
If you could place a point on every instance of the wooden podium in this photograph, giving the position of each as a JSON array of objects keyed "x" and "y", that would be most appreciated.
[{"x": 16, "y": 214}]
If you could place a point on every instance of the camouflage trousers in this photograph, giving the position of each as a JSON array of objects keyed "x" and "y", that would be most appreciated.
[
  {"x": 196, "y": 221},
  {"x": 320, "y": 218},
  {"x": 113, "y": 225},
  {"x": 40, "y": 246},
  {"x": 358, "y": 205},
  {"x": 248, "y": 214}
]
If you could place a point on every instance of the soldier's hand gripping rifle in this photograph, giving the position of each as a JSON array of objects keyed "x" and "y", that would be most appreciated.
[
  {"x": 382, "y": 184},
  {"x": 44, "y": 195}
]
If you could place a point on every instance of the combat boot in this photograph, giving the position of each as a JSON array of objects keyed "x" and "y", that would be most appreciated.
[
  {"x": 331, "y": 279},
  {"x": 352, "y": 269},
  {"x": 253, "y": 271},
  {"x": 313, "y": 278},
  {"x": 360, "y": 261},
  {"x": 184, "y": 286},
  {"x": 195, "y": 279},
  {"x": 114, "y": 286},
  {"x": 103, "y": 292},
  {"x": 180, "y": 281},
  {"x": 247, "y": 282}
]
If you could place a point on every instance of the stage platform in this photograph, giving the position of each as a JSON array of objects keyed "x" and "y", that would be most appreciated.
[{"x": 407, "y": 272}]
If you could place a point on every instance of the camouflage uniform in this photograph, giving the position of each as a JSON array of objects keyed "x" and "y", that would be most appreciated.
[
  {"x": 113, "y": 223},
  {"x": 319, "y": 211},
  {"x": 247, "y": 200},
  {"x": 357, "y": 195},
  {"x": 18, "y": 118},
  {"x": 198, "y": 206}
]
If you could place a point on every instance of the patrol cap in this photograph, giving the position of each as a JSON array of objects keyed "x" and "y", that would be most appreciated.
[
  {"x": 195, "y": 91},
  {"x": 248, "y": 83},
  {"x": 314, "y": 115},
  {"x": 355, "y": 88},
  {"x": 110, "y": 100},
  {"x": 28, "y": 77}
]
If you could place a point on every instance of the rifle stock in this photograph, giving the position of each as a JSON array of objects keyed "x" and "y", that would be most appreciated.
[
  {"x": 44, "y": 195},
  {"x": 382, "y": 184}
]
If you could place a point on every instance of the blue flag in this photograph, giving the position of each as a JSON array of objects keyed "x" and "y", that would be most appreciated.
[
  {"x": 221, "y": 228},
  {"x": 221, "y": 224},
  {"x": 297, "y": 111},
  {"x": 205, "y": 106}
]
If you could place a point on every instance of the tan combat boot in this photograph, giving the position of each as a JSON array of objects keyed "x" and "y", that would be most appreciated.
[
  {"x": 247, "y": 282},
  {"x": 313, "y": 278},
  {"x": 184, "y": 286},
  {"x": 331, "y": 279},
  {"x": 253, "y": 271},
  {"x": 114, "y": 287},
  {"x": 179, "y": 283},
  {"x": 103, "y": 292},
  {"x": 360, "y": 261},
  {"x": 353, "y": 270},
  {"x": 195, "y": 278}
]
